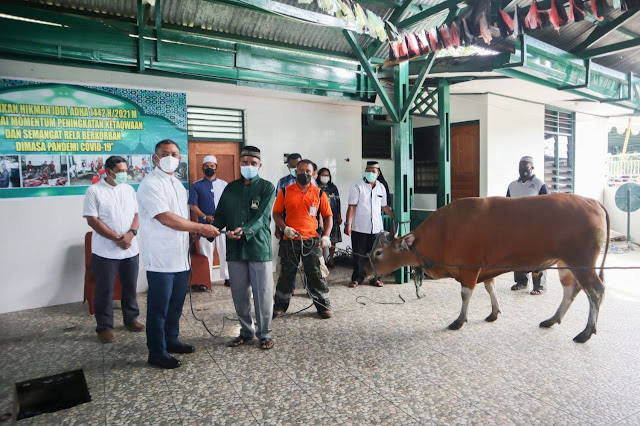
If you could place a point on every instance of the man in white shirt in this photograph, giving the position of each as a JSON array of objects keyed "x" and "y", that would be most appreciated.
[
  {"x": 112, "y": 211},
  {"x": 165, "y": 227},
  {"x": 204, "y": 197},
  {"x": 367, "y": 200}
]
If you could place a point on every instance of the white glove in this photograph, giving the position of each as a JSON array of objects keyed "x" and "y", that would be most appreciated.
[
  {"x": 325, "y": 242},
  {"x": 290, "y": 232}
]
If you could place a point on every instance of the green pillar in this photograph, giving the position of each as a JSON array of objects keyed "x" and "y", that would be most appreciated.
[
  {"x": 444, "y": 152},
  {"x": 403, "y": 159}
]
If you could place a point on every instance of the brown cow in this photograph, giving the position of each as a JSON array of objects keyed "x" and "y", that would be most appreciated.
[{"x": 497, "y": 235}]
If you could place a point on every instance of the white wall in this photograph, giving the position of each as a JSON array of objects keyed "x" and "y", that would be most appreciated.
[
  {"x": 592, "y": 134},
  {"x": 44, "y": 263}
]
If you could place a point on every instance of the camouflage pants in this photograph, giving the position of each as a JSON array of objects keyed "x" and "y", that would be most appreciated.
[{"x": 310, "y": 253}]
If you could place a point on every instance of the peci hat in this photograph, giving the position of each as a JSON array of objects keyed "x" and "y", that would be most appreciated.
[
  {"x": 250, "y": 151},
  {"x": 209, "y": 159},
  {"x": 527, "y": 159},
  {"x": 373, "y": 164}
]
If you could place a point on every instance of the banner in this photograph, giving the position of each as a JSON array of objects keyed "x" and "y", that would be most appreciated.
[{"x": 55, "y": 138}]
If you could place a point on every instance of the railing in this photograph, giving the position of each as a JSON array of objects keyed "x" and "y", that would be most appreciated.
[{"x": 623, "y": 167}]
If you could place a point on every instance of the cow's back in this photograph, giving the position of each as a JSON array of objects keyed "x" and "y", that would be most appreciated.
[{"x": 513, "y": 231}]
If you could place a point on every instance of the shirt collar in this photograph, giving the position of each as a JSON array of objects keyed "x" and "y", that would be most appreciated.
[
  {"x": 531, "y": 178},
  {"x": 160, "y": 173}
]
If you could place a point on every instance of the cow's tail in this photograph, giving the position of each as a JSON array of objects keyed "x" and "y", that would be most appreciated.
[{"x": 606, "y": 247}]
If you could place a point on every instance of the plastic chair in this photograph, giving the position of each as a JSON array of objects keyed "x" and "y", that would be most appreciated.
[
  {"x": 200, "y": 268},
  {"x": 90, "y": 279}
]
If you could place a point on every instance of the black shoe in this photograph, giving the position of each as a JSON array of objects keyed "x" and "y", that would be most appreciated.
[
  {"x": 227, "y": 283},
  {"x": 167, "y": 362},
  {"x": 180, "y": 348}
]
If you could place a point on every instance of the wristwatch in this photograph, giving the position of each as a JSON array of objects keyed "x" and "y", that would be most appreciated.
[
  {"x": 134, "y": 232},
  {"x": 346, "y": 224}
]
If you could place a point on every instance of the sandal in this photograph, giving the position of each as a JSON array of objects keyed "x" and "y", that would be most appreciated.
[
  {"x": 518, "y": 286},
  {"x": 353, "y": 284},
  {"x": 240, "y": 340},
  {"x": 536, "y": 291},
  {"x": 266, "y": 343}
]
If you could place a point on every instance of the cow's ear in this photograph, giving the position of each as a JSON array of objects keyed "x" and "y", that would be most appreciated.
[{"x": 407, "y": 241}]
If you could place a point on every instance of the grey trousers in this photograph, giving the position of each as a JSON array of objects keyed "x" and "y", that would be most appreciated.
[
  {"x": 105, "y": 272},
  {"x": 257, "y": 277}
]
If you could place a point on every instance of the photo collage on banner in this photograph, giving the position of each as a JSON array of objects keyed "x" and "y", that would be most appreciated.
[{"x": 55, "y": 138}]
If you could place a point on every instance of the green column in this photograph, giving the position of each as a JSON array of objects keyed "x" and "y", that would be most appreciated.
[
  {"x": 444, "y": 152},
  {"x": 403, "y": 159}
]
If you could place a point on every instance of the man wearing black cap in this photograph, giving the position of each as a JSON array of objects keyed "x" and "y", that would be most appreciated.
[
  {"x": 245, "y": 210},
  {"x": 527, "y": 185},
  {"x": 367, "y": 200}
]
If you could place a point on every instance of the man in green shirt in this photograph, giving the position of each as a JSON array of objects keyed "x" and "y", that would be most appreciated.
[{"x": 245, "y": 210}]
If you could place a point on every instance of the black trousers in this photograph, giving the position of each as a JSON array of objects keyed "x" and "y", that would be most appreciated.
[
  {"x": 105, "y": 271},
  {"x": 361, "y": 244},
  {"x": 539, "y": 279}
]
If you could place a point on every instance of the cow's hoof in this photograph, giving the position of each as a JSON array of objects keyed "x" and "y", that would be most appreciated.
[
  {"x": 456, "y": 325},
  {"x": 491, "y": 318},
  {"x": 582, "y": 337},
  {"x": 546, "y": 324}
]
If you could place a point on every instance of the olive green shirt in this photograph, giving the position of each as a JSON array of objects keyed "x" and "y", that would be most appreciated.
[{"x": 248, "y": 207}]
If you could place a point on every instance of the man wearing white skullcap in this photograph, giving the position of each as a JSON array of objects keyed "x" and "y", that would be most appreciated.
[
  {"x": 527, "y": 185},
  {"x": 204, "y": 196}
]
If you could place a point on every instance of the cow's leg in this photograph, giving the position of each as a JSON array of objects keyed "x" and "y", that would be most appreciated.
[
  {"x": 469, "y": 280},
  {"x": 571, "y": 290},
  {"x": 594, "y": 288},
  {"x": 490, "y": 286}
]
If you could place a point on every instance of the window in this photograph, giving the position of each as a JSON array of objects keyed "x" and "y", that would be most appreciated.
[
  {"x": 559, "y": 150},
  {"x": 376, "y": 141},
  {"x": 215, "y": 123},
  {"x": 425, "y": 169}
]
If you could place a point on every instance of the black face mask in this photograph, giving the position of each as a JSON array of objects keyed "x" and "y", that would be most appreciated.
[
  {"x": 525, "y": 174},
  {"x": 209, "y": 172},
  {"x": 303, "y": 178}
]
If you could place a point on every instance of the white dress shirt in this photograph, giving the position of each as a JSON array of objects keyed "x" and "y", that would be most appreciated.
[
  {"x": 369, "y": 202},
  {"x": 163, "y": 249},
  {"x": 116, "y": 207}
]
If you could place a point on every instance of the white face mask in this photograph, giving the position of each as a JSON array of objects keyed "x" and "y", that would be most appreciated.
[
  {"x": 324, "y": 179},
  {"x": 168, "y": 164}
]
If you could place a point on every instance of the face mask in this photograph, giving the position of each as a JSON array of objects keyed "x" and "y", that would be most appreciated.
[
  {"x": 168, "y": 164},
  {"x": 120, "y": 177},
  {"x": 248, "y": 172},
  {"x": 524, "y": 174},
  {"x": 209, "y": 172},
  {"x": 303, "y": 178},
  {"x": 293, "y": 172},
  {"x": 370, "y": 177},
  {"x": 324, "y": 179}
]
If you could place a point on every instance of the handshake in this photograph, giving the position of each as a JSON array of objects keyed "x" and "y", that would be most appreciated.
[{"x": 208, "y": 231}]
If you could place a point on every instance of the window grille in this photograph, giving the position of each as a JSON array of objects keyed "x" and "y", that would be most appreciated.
[
  {"x": 559, "y": 147},
  {"x": 215, "y": 123}
]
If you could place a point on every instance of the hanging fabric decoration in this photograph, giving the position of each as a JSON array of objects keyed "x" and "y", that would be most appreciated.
[
  {"x": 446, "y": 36},
  {"x": 575, "y": 13},
  {"x": 594, "y": 9},
  {"x": 557, "y": 15},
  {"x": 485, "y": 31},
  {"x": 433, "y": 39},
  {"x": 412, "y": 45},
  {"x": 423, "y": 42},
  {"x": 455, "y": 34},
  {"x": 505, "y": 23},
  {"x": 478, "y": 18},
  {"x": 362, "y": 20},
  {"x": 532, "y": 20}
]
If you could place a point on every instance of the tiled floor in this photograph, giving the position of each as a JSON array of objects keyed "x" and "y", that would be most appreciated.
[{"x": 370, "y": 364}]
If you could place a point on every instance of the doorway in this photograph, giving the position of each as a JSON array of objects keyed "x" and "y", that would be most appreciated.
[
  {"x": 465, "y": 160},
  {"x": 228, "y": 156}
]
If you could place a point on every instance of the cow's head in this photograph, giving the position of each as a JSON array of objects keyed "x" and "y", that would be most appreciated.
[{"x": 390, "y": 253}]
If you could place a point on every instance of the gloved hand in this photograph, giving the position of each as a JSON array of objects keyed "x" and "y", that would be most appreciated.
[
  {"x": 290, "y": 232},
  {"x": 325, "y": 242}
]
